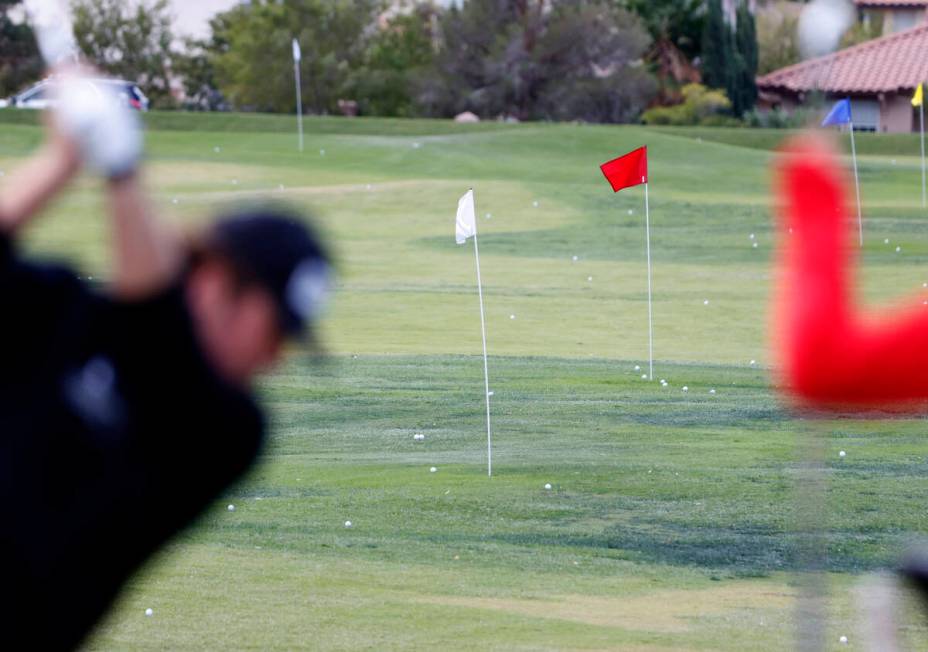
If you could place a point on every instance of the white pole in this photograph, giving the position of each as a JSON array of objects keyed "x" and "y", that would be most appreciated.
[
  {"x": 860, "y": 219},
  {"x": 921, "y": 113},
  {"x": 299, "y": 101},
  {"x": 647, "y": 222},
  {"x": 486, "y": 368}
]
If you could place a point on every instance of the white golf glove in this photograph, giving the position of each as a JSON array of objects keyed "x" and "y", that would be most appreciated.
[{"x": 108, "y": 133}]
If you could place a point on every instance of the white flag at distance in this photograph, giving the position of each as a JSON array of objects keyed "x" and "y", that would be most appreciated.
[
  {"x": 465, "y": 226},
  {"x": 297, "y": 53}
]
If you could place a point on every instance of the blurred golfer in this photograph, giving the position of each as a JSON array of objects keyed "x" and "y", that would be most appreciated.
[{"x": 124, "y": 414}]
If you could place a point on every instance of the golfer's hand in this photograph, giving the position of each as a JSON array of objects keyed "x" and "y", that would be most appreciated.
[{"x": 107, "y": 133}]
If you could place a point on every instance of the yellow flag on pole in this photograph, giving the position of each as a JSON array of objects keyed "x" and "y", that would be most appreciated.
[{"x": 919, "y": 96}]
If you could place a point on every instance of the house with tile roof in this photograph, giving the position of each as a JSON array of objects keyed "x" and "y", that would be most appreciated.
[
  {"x": 879, "y": 76},
  {"x": 893, "y": 15}
]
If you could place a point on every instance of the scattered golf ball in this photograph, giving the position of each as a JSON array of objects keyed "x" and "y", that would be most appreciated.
[
  {"x": 489, "y": 215},
  {"x": 433, "y": 470},
  {"x": 753, "y": 363},
  {"x": 685, "y": 388},
  {"x": 644, "y": 376},
  {"x": 490, "y": 393},
  {"x": 637, "y": 367},
  {"x": 217, "y": 149},
  {"x": 347, "y": 523},
  {"x": 419, "y": 437},
  {"x": 535, "y": 204},
  {"x": 589, "y": 279},
  {"x": 842, "y": 454},
  {"x": 631, "y": 212},
  {"x": 843, "y": 640},
  {"x": 321, "y": 152},
  {"x": 576, "y": 258},
  {"x": 149, "y": 612},
  {"x": 712, "y": 391},
  {"x": 751, "y": 236},
  {"x": 512, "y": 316},
  {"x": 548, "y": 486},
  {"x": 886, "y": 241},
  {"x": 754, "y": 246},
  {"x": 706, "y": 302},
  {"x": 898, "y": 249},
  {"x": 231, "y": 508}
]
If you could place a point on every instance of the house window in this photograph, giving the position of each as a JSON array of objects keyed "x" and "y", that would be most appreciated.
[
  {"x": 866, "y": 115},
  {"x": 906, "y": 19}
]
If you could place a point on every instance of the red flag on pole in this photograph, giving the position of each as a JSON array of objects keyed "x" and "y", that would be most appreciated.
[{"x": 627, "y": 171}]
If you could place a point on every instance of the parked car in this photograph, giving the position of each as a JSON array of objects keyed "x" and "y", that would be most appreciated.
[{"x": 39, "y": 95}]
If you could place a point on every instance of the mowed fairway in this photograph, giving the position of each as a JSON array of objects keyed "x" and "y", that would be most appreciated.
[{"x": 669, "y": 524}]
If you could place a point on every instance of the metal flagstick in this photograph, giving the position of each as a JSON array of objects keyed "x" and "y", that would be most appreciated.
[
  {"x": 483, "y": 332},
  {"x": 299, "y": 89},
  {"x": 860, "y": 219},
  {"x": 921, "y": 113},
  {"x": 647, "y": 222}
]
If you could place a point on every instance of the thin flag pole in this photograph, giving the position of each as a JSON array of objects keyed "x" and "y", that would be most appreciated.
[
  {"x": 486, "y": 366},
  {"x": 299, "y": 100},
  {"x": 647, "y": 222},
  {"x": 921, "y": 113},
  {"x": 860, "y": 219}
]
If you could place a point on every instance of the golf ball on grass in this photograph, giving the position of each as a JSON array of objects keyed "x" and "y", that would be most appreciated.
[
  {"x": 644, "y": 376},
  {"x": 843, "y": 640},
  {"x": 149, "y": 612},
  {"x": 842, "y": 455},
  {"x": 433, "y": 470},
  {"x": 347, "y": 523},
  {"x": 686, "y": 389},
  {"x": 548, "y": 486},
  {"x": 231, "y": 508},
  {"x": 637, "y": 367}
]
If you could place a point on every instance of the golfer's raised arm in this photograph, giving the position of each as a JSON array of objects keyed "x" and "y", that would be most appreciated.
[
  {"x": 31, "y": 187},
  {"x": 146, "y": 254}
]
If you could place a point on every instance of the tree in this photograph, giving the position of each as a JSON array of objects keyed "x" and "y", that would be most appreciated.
[
  {"x": 537, "y": 59},
  {"x": 131, "y": 40},
  {"x": 744, "y": 90},
  {"x": 717, "y": 48},
  {"x": 20, "y": 62},
  {"x": 252, "y": 53},
  {"x": 399, "y": 54},
  {"x": 777, "y": 40}
]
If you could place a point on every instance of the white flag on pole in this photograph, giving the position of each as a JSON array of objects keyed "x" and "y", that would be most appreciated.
[
  {"x": 465, "y": 226},
  {"x": 297, "y": 52}
]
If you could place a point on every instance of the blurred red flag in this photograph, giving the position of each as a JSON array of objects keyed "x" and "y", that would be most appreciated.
[{"x": 627, "y": 171}]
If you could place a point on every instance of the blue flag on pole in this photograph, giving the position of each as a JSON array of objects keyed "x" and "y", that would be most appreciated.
[{"x": 840, "y": 114}]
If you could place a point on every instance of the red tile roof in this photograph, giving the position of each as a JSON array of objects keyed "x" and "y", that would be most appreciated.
[
  {"x": 891, "y": 3},
  {"x": 892, "y": 63}
]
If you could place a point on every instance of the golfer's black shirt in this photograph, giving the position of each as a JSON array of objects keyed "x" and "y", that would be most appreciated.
[{"x": 114, "y": 434}]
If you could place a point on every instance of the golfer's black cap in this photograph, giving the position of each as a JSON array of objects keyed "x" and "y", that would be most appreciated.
[{"x": 278, "y": 250}]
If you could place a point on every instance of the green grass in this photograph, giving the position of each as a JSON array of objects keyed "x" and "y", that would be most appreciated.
[{"x": 671, "y": 520}]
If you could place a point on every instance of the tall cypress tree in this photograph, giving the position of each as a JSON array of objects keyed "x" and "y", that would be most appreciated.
[
  {"x": 717, "y": 48},
  {"x": 744, "y": 91}
]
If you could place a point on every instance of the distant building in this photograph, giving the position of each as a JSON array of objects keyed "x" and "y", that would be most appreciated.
[
  {"x": 880, "y": 77},
  {"x": 895, "y": 15}
]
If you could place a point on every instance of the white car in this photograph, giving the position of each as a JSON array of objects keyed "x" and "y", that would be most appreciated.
[{"x": 39, "y": 97}]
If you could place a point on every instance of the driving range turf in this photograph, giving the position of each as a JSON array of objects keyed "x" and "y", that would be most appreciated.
[{"x": 670, "y": 522}]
